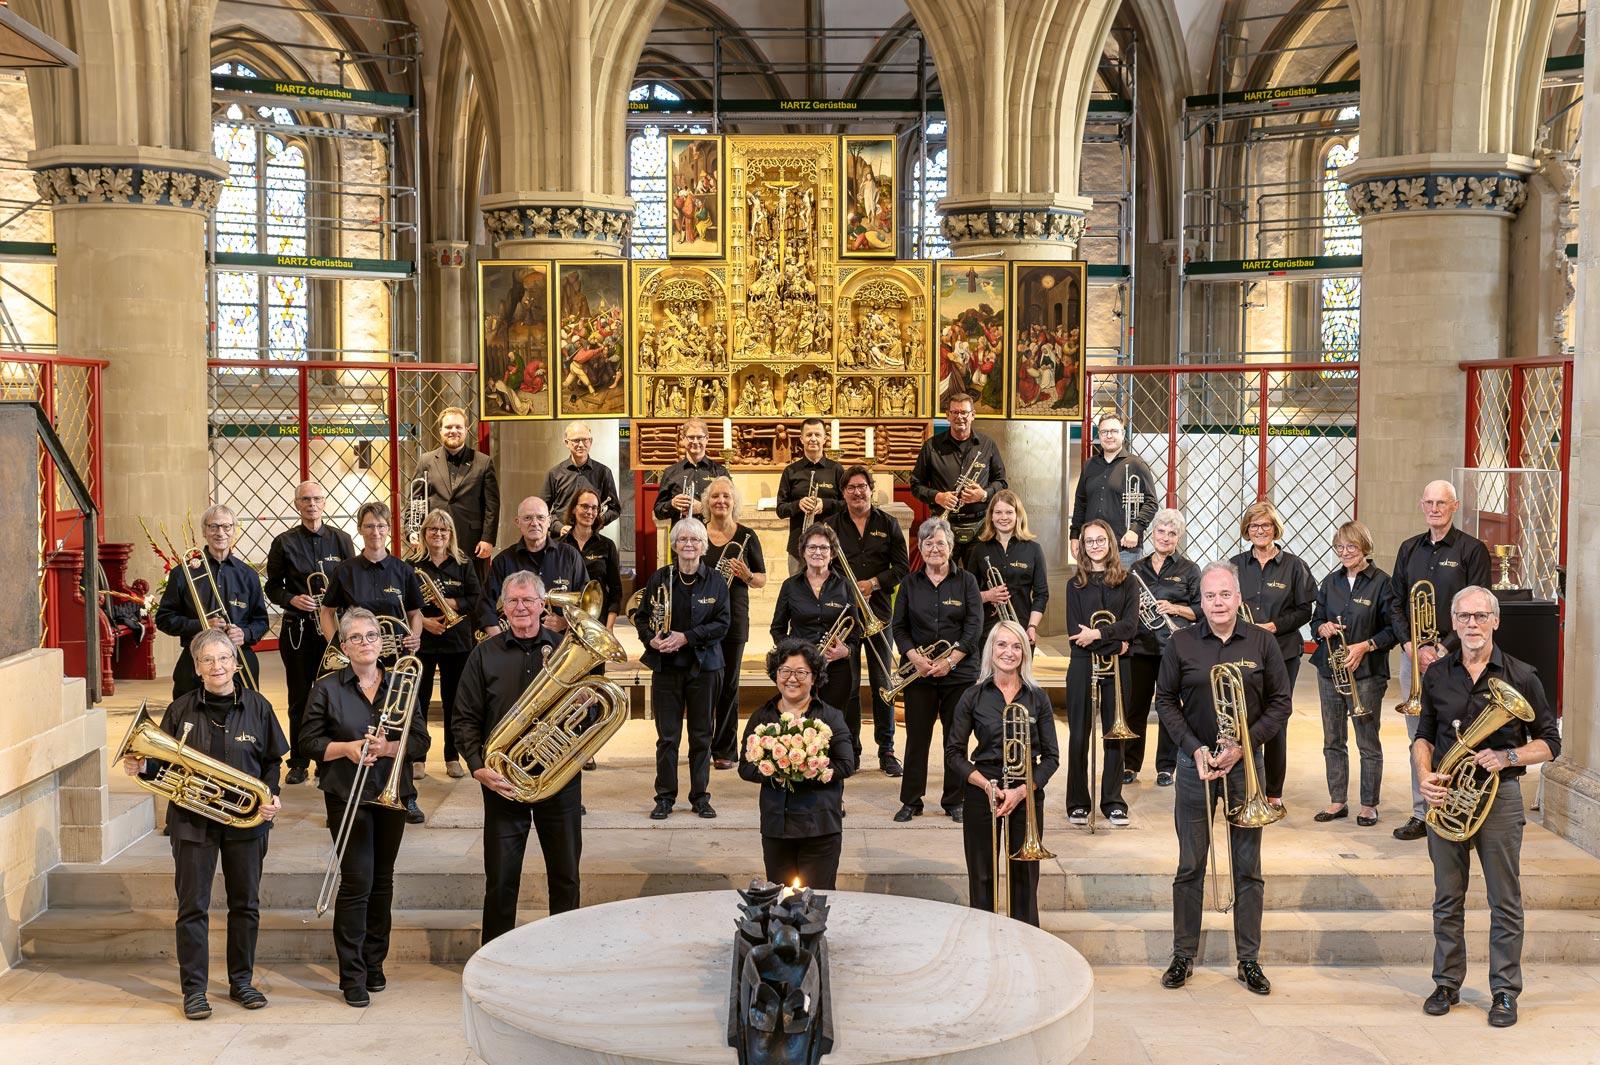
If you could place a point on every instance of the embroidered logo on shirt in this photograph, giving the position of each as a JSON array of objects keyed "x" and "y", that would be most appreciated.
[
  {"x": 392, "y": 591},
  {"x": 952, "y": 602},
  {"x": 834, "y": 606},
  {"x": 878, "y": 533},
  {"x": 708, "y": 600},
  {"x": 1361, "y": 602},
  {"x": 1450, "y": 562},
  {"x": 244, "y": 737},
  {"x": 1277, "y": 584}
]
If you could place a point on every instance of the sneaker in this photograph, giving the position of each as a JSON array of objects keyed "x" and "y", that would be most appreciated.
[
  {"x": 890, "y": 765},
  {"x": 248, "y": 997},
  {"x": 1163, "y": 779},
  {"x": 414, "y": 815},
  {"x": 297, "y": 775},
  {"x": 1118, "y": 818},
  {"x": 455, "y": 769},
  {"x": 195, "y": 1006},
  {"x": 1079, "y": 816}
]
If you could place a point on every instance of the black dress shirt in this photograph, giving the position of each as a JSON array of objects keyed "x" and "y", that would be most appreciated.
[
  {"x": 812, "y": 808},
  {"x": 559, "y": 565},
  {"x": 464, "y": 484},
  {"x": 604, "y": 564},
  {"x": 1364, "y": 609},
  {"x": 980, "y": 714},
  {"x": 699, "y": 611},
  {"x": 388, "y": 587},
  {"x": 679, "y": 479},
  {"x": 877, "y": 551},
  {"x": 246, "y": 607},
  {"x": 1453, "y": 563},
  {"x": 951, "y": 610},
  {"x": 799, "y": 479},
  {"x": 943, "y": 459},
  {"x": 1451, "y": 696},
  {"x": 250, "y": 740},
  {"x": 1282, "y": 592},
  {"x": 1099, "y": 495},
  {"x": 1022, "y": 568},
  {"x": 1178, "y": 582},
  {"x": 738, "y": 590},
  {"x": 339, "y": 711},
  {"x": 809, "y": 616},
  {"x": 458, "y": 581},
  {"x": 497, "y": 672},
  {"x": 1183, "y": 685},
  {"x": 561, "y": 484},
  {"x": 297, "y": 553},
  {"x": 1095, "y": 596}
]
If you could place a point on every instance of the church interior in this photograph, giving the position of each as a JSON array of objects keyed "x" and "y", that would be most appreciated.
[{"x": 1326, "y": 256}]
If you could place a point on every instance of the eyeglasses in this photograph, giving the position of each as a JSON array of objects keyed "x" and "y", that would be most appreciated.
[
  {"x": 218, "y": 527},
  {"x": 374, "y": 527},
  {"x": 1345, "y": 549},
  {"x": 440, "y": 529},
  {"x": 216, "y": 660},
  {"x": 1261, "y": 526},
  {"x": 523, "y": 601},
  {"x": 818, "y": 547},
  {"x": 685, "y": 541},
  {"x": 362, "y": 637},
  {"x": 1098, "y": 542},
  {"x": 858, "y": 488},
  {"x": 584, "y": 440},
  {"x": 1476, "y": 617},
  {"x": 787, "y": 673},
  {"x": 587, "y": 506}
]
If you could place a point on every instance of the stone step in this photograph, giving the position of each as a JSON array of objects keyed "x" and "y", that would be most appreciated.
[{"x": 1348, "y": 937}]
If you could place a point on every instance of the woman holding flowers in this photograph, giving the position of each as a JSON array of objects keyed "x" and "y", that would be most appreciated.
[{"x": 799, "y": 750}]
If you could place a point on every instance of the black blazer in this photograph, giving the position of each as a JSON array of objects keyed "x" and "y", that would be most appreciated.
[
  {"x": 811, "y": 809},
  {"x": 338, "y": 711},
  {"x": 705, "y": 626},
  {"x": 473, "y": 500}
]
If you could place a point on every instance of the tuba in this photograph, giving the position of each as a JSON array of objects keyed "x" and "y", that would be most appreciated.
[
  {"x": 1004, "y": 611},
  {"x": 553, "y": 728},
  {"x": 1472, "y": 789},
  {"x": 191, "y": 780},
  {"x": 1016, "y": 749},
  {"x": 435, "y": 597},
  {"x": 1344, "y": 682},
  {"x": 906, "y": 671},
  {"x": 1424, "y": 630}
]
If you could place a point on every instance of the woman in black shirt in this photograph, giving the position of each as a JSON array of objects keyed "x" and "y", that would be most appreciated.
[
  {"x": 1006, "y": 544},
  {"x": 1006, "y": 677},
  {"x": 809, "y": 604},
  {"x": 600, "y": 555},
  {"x": 733, "y": 550},
  {"x": 444, "y": 647},
  {"x": 1100, "y": 584},
  {"x": 1174, "y": 582},
  {"x": 802, "y": 829}
]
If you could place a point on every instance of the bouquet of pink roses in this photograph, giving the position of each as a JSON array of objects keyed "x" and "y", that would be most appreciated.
[{"x": 794, "y": 749}]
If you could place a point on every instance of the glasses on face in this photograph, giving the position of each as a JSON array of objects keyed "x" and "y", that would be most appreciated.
[
  {"x": 1097, "y": 542},
  {"x": 1435, "y": 504},
  {"x": 1261, "y": 526},
  {"x": 1476, "y": 617},
  {"x": 791, "y": 673},
  {"x": 1345, "y": 549},
  {"x": 581, "y": 441},
  {"x": 687, "y": 541},
  {"x": 437, "y": 530},
  {"x": 314, "y": 500},
  {"x": 219, "y": 527},
  {"x": 931, "y": 546},
  {"x": 211, "y": 661},
  {"x": 374, "y": 527},
  {"x": 818, "y": 547},
  {"x": 697, "y": 438},
  {"x": 533, "y": 519},
  {"x": 961, "y": 414},
  {"x": 857, "y": 487},
  {"x": 524, "y": 601},
  {"x": 363, "y": 637},
  {"x": 586, "y": 506},
  {"x": 1111, "y": 432}
]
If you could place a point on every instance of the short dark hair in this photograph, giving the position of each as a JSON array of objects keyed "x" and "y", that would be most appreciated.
[
  {"x": 957, "y": 397},
  {"x": 858, "y": 470},
  {"x": 790, "y": 646},
  {"x": 813, "y": 421}
]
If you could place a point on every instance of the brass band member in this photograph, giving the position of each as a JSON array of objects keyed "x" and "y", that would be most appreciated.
[
  {"x": 875, "y": 548},
  {"x": 937, "y": 602},
  {"x": 801, "y": 830},
  {"x": 733, "y": 550},
  {"x": 559, "y": 565},
  {"x": 311, "y": 547},
  {"x": 216, "y": 570},
  {"x": 1100, "y": 585},
  {"x": 344, "y": 706},
  {"x": 1183, "y": 699},
  {"x": 1455, "y": 691},
  {"x": 234, "y": 725},
  {"x": 810, "y": 605},
  {"x": 685, "y": 664},
  {"x": 683, "y": 484},
  {"x": 958, "y": 456},
  {"x": 600, "y": 558},
  {"x": 1353, "y": 610},
  {"x": 461, "y": 479},
  {"x": 1005, "y": 676},
  {"x": 498, "y": 671},
  {"x": 1174, "y": 582},
  {"x": 1106, "y": 489},
  {"x": 1451, "y": 560},
  {"x": 810, "y": 489},
  {"x": 445, "y": 645},
  {"x": 1010, "y": 547},
  {"x": 561, "y": 484},
  {"x": 1280, "y": 591}
]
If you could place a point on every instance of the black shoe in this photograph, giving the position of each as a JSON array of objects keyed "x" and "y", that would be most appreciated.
[
  {"x": 662, "y": 810},
  {"x": 1438, "y": 1004},
  {"x": 376, "y": 981},
  {"x": 1367, "y": 822},
  {"x": 1164, "y": 779},
  {"x": 1251, "y": 975},
  {"x": 957, "y": 815},
  {"x": 703, "y": 808},
  {"x": 414, "y": 813},
  {"x": 583, "y": 811},
  {"x": 890, "y": 765},
  {"x": 297, "y": 775},
  {"x": 1323, "y": 816},
  {"x": 589, "y": 766},
  {"x": 723, "y": 763},
  {"x": 195, "y": 1006},
  {"x": 248, "y": 997},
  {"x": 907, "y": 812},
  {"x": 1415, "y": 828},
  {"x": 1503, "y": 1014},
  {"x": 1177, "y": 973},
  {"x": 357, "y": 997},
  {"x": 1129, "y": 776}
]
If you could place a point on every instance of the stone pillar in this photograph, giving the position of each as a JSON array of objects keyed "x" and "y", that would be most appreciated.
[
  {"x": 1572, "y": 784},
  {"x": 448, "y": 330}
]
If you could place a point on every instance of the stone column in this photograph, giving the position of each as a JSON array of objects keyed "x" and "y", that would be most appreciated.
[{"x": 449, "y": 335}]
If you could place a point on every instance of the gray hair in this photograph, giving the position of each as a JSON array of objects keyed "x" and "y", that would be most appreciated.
[
  {"x": 205, "y": 638},
  {"x": 986, "y": 665},
  {"x": 520, "y": 579},
  {"x": 1171, "y": 518},
  {"x": 1221, "y": 566},
  {"x": 353, "y": 615},
  {"x": 1442, "y": 483},
  {"x": 932, "y": 527},
  {"x": 693, "y": 526},
  {"x": 1475, "y": 589},
  {"x": 212, "y": 511}
]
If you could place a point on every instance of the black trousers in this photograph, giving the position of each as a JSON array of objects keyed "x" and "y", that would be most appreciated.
[
  {"x": 194, "y": 864},
  {"x": 450, "y": 667},
  {"x": 1142, "y": 670},
  {"x": 559, "y": 822},
  {"x": 725, "y": 703},
  {"x": 678, "y": 696},
  {"x": 839, "y": 682},
  {"x": 1111, "y": 751},
  {"x": 361, "y": 912},
  {"x": 814, "y": 859},
  {"x": 977, "y": 843},
  {"x": 1275, "y": 763},
  {"x": 300, "y": 645},
  {"x": 1192, "y": 805},
  {"x": 926, "y": 702},
  {"x": 877, "y": 677}
]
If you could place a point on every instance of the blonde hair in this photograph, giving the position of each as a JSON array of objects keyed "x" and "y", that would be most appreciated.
[
  {"x": 1006, "y": 495},
  {"x": 1025, "y": 670},
  {"x": 1357, "y": 535},
  {"x": 733, "y": 490},
  {"x": 436, "y": 516},
  {"x": 1261, "y": 509}
]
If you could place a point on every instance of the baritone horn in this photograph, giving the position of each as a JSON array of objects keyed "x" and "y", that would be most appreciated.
[
  {"x": 1016, "y": 749},
  {"x": 1472, "y": 789},
  {"x": 190, "y": 779},
  {"x": 906, "y": 671},
  {"x": 1344, "y": 681},
  {"x": 1424, "y": 605}
]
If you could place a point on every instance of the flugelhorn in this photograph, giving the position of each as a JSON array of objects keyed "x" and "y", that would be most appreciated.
[
  {"x": 1150, "y": 617},
  {"x": 1003, "y": 609},
  {"x": 436, "y": 597},
  {"x": 1424, "y": 631},
  {"x": 838, "y": 633},
  {"x": 191, "y": 779},
  {"x": 725, "y": 563},
  {"x": 906, "y": 671},
  {"x": 1016, "y": 751},
  {"x": 316, "y": 587},
  {"x": 1344, "y": 681},
  {"x": 1472, "y": 788}
]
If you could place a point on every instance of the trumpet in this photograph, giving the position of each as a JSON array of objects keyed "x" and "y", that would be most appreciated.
[
  {"x": 1344, "y": 681},
  {"x": 811, "y": 493},
  {"x": 1233, "y": 730},
  {"x": 438, "y": 600},
  {"x": 416, "y": 511},
  {"x": 841, "y": 631},
  {"x": 191, "y": 779},
  {"x": 968, "y": 479},
  {"x": 1424, "y": 631},
  {"x": 1472, "y": 789},
  {"x": 317, "y": 587},
  {"x": 906, "y": 671},
  {"x": 725, "y": 563},
  {"x": 1003, "y": 609},
  {"x": 1132, "y": 499},
  {"x": 1150, "y": 617},
  {"x": 1016, "y": 749},
  {"x": 207, "y": 618}
]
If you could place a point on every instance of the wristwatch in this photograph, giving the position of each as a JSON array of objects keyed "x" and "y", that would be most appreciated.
[{"x": 1511, "y": 755}]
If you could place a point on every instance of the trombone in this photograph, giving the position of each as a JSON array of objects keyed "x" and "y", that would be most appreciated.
[
  {"x": 1016, "y": 767},
  {"x": 906, "y": 671},
  {"x": 207, "y": 618},
  {"x": 1246, "y": 615},
  {"x": 1344, "y": 681},
  {"x": 1233, "y": 730},
  {"x": 1424, "y": 630},
  {"x": 1003, "y": 609},
  {"x": 1109, "y": 666},
  {"x": 871, "y": 624}
]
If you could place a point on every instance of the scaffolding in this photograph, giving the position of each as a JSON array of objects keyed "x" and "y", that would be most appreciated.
[{"x": 27, "y": 256}]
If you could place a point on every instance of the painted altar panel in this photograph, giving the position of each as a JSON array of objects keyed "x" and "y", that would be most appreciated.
[
  {"x": 868, "y": 202},
  {"x": 514, "y": 340},
  {"x": 1048, "y": 302},
  {"x": 973, "y": 302},
  {"x": 591, "y": 338}
]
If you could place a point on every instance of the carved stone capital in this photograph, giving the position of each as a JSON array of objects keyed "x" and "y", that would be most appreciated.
[
  {"x": 79, "y": 174},
  {"x": 993, "y": 224},
  {"x": 1458, "y": 184},
  {"x": 606, "y": 221}
]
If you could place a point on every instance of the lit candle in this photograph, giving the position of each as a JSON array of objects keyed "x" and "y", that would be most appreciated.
[
  {"x": 872, "y": 441},
  {"x": 836, "y": 434},
  {"x": 727, "y": 434}
]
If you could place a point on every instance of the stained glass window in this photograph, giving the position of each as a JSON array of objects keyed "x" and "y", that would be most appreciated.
[
  {"x": 647, "y": 174},
  {"x": 925, "y": 195},
  {"x": 262, "y": 211},
  {"x": 1340, "y": 310}
]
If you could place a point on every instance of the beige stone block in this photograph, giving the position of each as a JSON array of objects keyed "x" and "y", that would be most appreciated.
[
  {"x": 81, "y": 843},
  {"x": 89, "y": 771},
  {"x": 27, "y": 684},
  {"x": 84, "y": 806},
  {"x": 74, "y": 698}
]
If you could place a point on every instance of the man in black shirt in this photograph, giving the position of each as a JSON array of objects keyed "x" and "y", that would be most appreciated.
[
  {"x": 947, "y": 458},
  {"x": 1455, "y": 691},
  {"x": 1106, "y": 488},
  {"x": 1183, "y": 702},
  {"x": 683, "y": 484},
  {"x": 241, "y": 613},
  {"x": 875, "y": 547},
  {"x": 1452, "y": 560},
  {"x": 462, "y": 480},
  {"x": 560, "y": 566},
  {"x": 311, "y": 547},
  {"x": 579, "y": 471},
  {"x": 810, "y": 488},
  {"x": 497, "y": 672}
]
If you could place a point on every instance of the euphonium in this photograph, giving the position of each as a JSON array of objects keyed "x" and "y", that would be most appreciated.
[
  {"x": 553, "y": 727},
  {"x": 1344, "y": 681},
  {"x": 1004, "y": 611},
  {"x": 906, "y": 671},
  {"x": 190, "y": 779},
  {"x": 1233, "y": 730},
  {"x": 1108, "y": 666},
  {"x": 839, "y": 633},
  {"x": 1016, "y": 750},
  {"x": 1472, "y": 789},
  {"x": 436, "y": 597},
  {"x": 1424, "y": 630}
]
